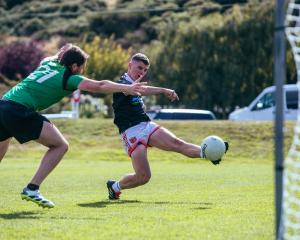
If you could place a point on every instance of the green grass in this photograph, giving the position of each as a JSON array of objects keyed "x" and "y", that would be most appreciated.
[{"x": 185, "y": 199}]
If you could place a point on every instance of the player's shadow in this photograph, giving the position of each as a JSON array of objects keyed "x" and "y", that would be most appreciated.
[
  {"x": 20, "y": 215},
  {"x": 105, "y": 203},
  {"x": 102, "y": 204}
]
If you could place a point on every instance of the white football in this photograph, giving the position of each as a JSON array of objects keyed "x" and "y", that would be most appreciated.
[{"x": 213, "y": 148}]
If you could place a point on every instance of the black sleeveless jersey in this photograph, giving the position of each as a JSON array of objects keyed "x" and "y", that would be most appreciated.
[{"x": 128, "y": 110}]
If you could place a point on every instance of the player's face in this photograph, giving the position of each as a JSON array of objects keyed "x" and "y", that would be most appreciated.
[
  {"x": 137, "y": 70},
  {"x": 77, "y": 69}
]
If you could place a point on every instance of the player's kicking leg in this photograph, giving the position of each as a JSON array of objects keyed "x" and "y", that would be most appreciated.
[{"x": 165, "y": 140}]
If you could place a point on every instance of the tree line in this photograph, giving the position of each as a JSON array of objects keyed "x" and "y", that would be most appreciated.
[{"x": 216, "y": 54}]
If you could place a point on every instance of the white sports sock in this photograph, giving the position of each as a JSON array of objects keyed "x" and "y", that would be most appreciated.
[
  {"x": 116, "y": 187},
  {"x": 201, "y": 155}
]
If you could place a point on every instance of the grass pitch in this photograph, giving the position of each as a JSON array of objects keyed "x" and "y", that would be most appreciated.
[{"x": 185, "y": 199}]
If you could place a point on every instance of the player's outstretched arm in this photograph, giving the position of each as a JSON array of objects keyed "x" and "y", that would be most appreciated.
[
  {"x": 169, "y": 93},
  {"x": 107, "y": 86}
]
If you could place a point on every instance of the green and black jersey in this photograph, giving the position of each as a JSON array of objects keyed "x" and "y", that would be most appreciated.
[{"x": 44, "y": 87}]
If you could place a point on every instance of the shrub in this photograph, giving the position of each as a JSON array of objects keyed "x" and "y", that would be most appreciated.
[
  {"x": 107, "y": 58},
  {"x": 18, "y": 59}
]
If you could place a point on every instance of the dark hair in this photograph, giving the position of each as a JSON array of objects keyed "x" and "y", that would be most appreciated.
[
  {"x": 72, "y": 55},
  {"x": 140, "y": 57}
]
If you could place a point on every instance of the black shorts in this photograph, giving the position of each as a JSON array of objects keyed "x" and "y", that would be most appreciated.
[{"x": 19, "y": 121}]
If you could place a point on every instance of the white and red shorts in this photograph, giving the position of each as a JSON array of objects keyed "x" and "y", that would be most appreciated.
[{"x": 138, "y": 134}]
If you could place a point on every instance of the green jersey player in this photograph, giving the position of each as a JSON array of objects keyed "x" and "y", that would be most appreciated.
[{"x": 55, "y": 78}]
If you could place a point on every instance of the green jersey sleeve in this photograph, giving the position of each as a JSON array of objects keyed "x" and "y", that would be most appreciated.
[
  {"x": 74, "y": 81},
  {"x": 44, "y": 86}
]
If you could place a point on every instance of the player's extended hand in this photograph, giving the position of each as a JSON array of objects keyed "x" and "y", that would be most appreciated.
[
  {"x": 139, "y": 79},
  {"x": 137, "y": 88},
  {"x": 171, "y": 94}
]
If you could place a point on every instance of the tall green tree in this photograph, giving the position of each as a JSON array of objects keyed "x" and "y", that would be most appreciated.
[{"x": 220, "y": 61}]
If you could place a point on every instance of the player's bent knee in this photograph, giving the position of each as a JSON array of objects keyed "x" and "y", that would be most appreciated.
[
  {"x": 65, "y": 147},
  {"x": 143, "y": 178}
]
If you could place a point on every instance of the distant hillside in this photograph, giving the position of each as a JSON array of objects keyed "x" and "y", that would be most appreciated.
[{"x": 131, "y": 21}]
